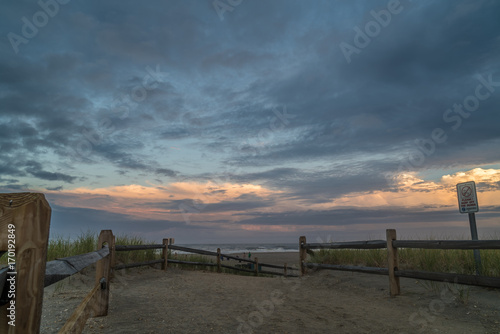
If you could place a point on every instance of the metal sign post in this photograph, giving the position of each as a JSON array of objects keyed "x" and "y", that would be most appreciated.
[{"x": 467, "y": 203}]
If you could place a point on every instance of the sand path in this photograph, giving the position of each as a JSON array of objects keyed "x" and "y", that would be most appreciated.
[{"x": 147, "y": 300}]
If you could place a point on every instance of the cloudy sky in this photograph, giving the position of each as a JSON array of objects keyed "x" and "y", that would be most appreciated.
[{"x": 252, "y": 121}]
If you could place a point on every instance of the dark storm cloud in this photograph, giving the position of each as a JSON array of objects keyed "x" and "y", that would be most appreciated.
[
  {"x": 352, "y": 216},
  {"x": 218, "y": 84},
  {"x": 165, "y": 172},
  {"x": 398, "y": 87},
  {"x": 228, "y": 206},
  {"x": 34, "y": 168},
  {"x": 320, "y": 186},
  {"x": 68, "y": 219}
]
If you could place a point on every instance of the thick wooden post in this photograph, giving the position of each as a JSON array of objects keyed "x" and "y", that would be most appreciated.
[
  {"x": 103, "y": 269},
  {"x": 24, "y": 233},
  {"x": 218, "y": 260},
  {"x": 256, "y": 266},
  {"x": 303, "y": 255},
  {"x": 165, "y": 254},
  {"x": 392, "y": 263}
]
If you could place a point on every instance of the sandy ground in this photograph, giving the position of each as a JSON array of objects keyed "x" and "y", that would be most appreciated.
[{"x": 148, "y": 300}]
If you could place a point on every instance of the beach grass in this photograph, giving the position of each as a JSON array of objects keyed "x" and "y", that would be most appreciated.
[
  {"x": 86, "y": 242},
  {"x": 436, "y": 260}
]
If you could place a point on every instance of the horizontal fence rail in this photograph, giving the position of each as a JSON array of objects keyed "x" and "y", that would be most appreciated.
[
  {"x": 60, "y": 269},
  {"x": 359, "y": 269},
  {"x": 242, "y": 259},
  {"x": 489, "y": 282},
  {"x": 219, "y": 256},
  {"x": 371, "y": 244},
  {"x": 192, "y": 250},
  {"x": 447, "y": 244},
  {"x": 237, "y": 268},
  {"x": 392, "y": 245},
  {"x": 193, "y": 263},
  {"x": 137, "y": 264},
  {"x": 124, "y": 248}
]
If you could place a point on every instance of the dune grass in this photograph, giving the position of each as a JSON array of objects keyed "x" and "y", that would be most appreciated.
[
  {"x": 450, "y": 261},
  {"x": 436, "y": 260},
  {"x": 86, "y": 242}
]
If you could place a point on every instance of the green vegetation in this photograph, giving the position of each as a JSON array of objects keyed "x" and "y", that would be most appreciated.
[
  {"x": 436, "y": 260},
  {"x": 86, "y": 242},
  {"x": 61, "y": 247},
  {"x": 135, "y": 256}
]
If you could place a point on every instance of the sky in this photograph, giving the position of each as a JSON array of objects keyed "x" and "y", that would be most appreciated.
[{"x": 233, "y": 121}]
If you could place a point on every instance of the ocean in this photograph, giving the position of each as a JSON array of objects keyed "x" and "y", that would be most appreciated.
[{"x": 244, "y": 248}]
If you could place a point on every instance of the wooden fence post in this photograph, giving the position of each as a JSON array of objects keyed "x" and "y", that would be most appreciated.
[
  {"x": 102, "y": 274},
  {"x": 218, "y": 260},
  {"x": 25, "y": 218},
  {"x": 165, "y": 254},
  {"x": 256, "y": 266},
  {"x": 303, "y": 255},
  {"x": 392, "y": 263}
]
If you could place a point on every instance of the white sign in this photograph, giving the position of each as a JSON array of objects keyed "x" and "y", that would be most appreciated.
[{"x": 467, "y": 197}]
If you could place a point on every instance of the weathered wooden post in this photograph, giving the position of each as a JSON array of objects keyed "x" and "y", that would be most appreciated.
[
  {"x": 218, "y": 260},
  {"x": 303, "y": 255},
  {"x": 24, "y": 234},
  {"x": 392, "y": 263},
  {"x": 256, "y": 266},
  {"x": 165, "y": 254},
  {"x": 103, "y": 269}
]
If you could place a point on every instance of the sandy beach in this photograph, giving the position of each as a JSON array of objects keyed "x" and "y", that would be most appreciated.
[{"x": 148, "y": 300}]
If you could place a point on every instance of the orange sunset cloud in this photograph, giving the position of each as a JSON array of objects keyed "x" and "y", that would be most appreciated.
[
  {"x": 413, "y": 191},
  {"x": 138, "y": 200}
]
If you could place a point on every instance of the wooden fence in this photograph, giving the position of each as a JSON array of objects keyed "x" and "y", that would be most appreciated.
[
  {"x": 24, "y": 232},
  {"x": 168, "y": 244},
  {"x": 286, "y": 270},
  {"x": 392, "y": 245}
]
